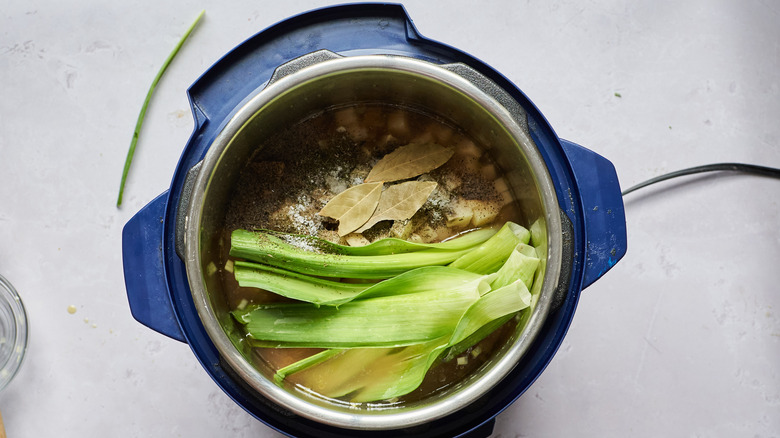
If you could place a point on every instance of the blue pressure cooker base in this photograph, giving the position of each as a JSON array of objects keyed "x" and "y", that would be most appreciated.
[{"x": 585, "y": 183}]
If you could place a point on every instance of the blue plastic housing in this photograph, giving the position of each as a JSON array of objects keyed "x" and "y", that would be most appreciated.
[{"x": 586, "y": 185}]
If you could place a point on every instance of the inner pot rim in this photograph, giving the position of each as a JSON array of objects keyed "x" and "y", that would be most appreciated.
[{"x": 457, "y": 397}]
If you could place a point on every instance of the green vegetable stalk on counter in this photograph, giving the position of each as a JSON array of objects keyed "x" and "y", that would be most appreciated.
[{"x": 142, "y": 114}]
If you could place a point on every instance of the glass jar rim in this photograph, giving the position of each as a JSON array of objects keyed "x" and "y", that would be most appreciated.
[{"x": 11, "y": 358}]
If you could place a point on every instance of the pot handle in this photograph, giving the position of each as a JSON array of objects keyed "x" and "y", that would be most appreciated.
[
  {"x": 603, "y": 213},
  {"x": 371, "y": 27},
  {"x": 142, "y": 259}
]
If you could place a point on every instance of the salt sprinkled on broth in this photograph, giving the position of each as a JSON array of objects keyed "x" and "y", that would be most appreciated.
[
  {"x": 300, "y": 216},
  {"x": 299, "y": 169}
]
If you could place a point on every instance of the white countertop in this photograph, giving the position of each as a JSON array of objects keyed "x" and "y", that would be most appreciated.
[{"x": 681, "y": 338}]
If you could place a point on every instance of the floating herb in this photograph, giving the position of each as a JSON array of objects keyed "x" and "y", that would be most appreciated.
[
  {"x": 409, "y": 161},
  {"x": 400, "y": 201},
  {"x": 353, "y": 207}
]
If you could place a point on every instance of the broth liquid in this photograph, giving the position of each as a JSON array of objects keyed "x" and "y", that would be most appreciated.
[{"x": 294, "y": 173}]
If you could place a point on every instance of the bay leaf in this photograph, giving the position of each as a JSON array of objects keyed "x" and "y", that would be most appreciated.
[
  {"x": 353, "y": 207},
  {"x": 400, "y": 202},
  {"x": 409, "y": 161}
]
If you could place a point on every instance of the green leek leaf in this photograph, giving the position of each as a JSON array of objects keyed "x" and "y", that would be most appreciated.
[
  {"x": 382, "y": 338},
  {"x": 272, "y": 250},
  {"x": 320, "y": 291},
  {"x": 517, "y": 266},
  {"x": 389, "y": 245},
  {"x": 489, "y": 256},
  {"x": 495, "y": 304},
  {"x": 305, "y": 363},
  {"x": 369, "y": 374},
  {"x": 384, "y": 321},
  {"x": 294, "y": 285}
]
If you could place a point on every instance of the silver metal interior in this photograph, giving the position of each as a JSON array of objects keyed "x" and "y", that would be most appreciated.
[{"x": 321, "y": 80}]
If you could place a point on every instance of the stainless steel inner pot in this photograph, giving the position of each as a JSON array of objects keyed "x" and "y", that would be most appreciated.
[{"x": 320, "y": 80}]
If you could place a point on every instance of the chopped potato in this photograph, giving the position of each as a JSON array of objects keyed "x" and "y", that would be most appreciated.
[
  {"x": 506, "y": 198},
  {"x": 330, "y": 236},
  {"x": 355, "y": 239},
  {"x": 451, "y": 181},
  {"x": 474, "y": 212},
  {"x": 483, "y": 212},
  {"x": 401, "y": 229},
  {"x": 501, "y": 185},
  {"x": 488, "y": 171},
  {"x": 442, "y": 133},
  {"x": 427, "y": 233},
  {"x": 503, "y": 190},
  {"x": 346, "y": 117},
  {"x": 397, "y": 124},
  {"x": 349, "y": 119},
  {"x": 467, "y": 148},
  {"x": 416, "y": 238},
  {"x": 374, "y": 117},
  {"x": 460, "y": 216},
  {"x": 425, "y": 137}
]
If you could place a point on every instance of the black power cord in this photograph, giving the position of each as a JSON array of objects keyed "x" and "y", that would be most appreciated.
[{"x": 734, "y": 167}]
